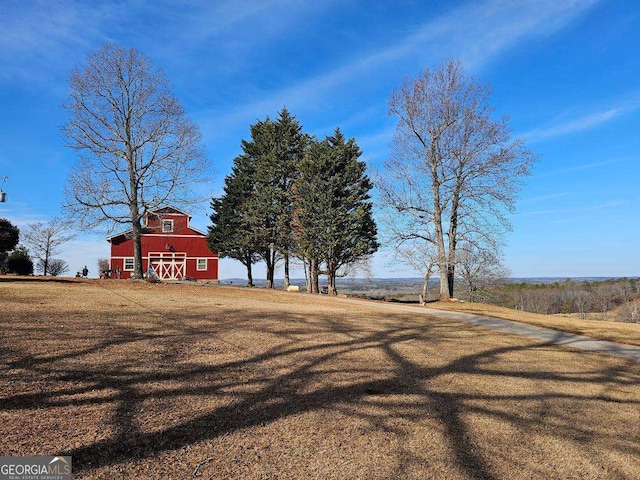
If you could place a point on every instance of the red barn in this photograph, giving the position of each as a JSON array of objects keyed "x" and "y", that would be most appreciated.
[{"x": 172, "y": 248}]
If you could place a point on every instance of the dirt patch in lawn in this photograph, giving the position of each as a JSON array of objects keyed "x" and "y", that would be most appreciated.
[{"x": 169, "y": 381}]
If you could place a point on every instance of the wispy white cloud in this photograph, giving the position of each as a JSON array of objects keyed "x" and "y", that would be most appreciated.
[
  {"x": 474, "y": 33},
  {"x": 20, "y": 214},
  {"x": 586, "y": 121},
  {"x": 377, "y": 139},
  {"x": 564, "y": 211},
  {"x": 202, "y": 21},
  {"x": 546, "y": 212},
  {"x": 583, "y": 166},
  {"x": 544, "y": 198},
  {"x": 491, "y": 27},
  {"x": 39, "y": 38},
  {"x": 607, "y": 205}
]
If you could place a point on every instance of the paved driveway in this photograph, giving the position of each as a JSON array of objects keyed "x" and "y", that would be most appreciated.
[{"x": 553, "y": 337}]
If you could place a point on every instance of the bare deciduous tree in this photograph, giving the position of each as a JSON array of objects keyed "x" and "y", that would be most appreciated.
[
  {"x": 57, "y": 266},
  {"x": 630, "y": 303},
  {"x": 422, "y": 257},
  {"x": 479, "y": 265},
  {"x": 138, "y": 149},
  {"x": 605, "y": 294},
  {"x": 103, "y": 265},
  {"x": 45, "y": 239},
  {"x": 582, "y": 301},
  {"x": 454, "y": 170},
  {"x": 630, "y": 311}
]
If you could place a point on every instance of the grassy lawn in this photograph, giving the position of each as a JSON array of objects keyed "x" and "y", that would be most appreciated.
[
  {"x": 628, "y": 333},
  {"x": 162, "y": 381}
]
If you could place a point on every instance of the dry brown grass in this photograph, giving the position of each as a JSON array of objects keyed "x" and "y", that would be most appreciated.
[
  {"x": 628, "y": 333},
  {"x": 158, "y": 381}
]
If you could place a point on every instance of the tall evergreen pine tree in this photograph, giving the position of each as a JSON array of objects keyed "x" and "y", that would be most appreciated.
[
  {"x": 260, "y": 205},
  {"x": 334, "y": 218},
  {"x": 230, "y": 232}
]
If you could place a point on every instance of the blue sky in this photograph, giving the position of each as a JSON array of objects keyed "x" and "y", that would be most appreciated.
[{"x": 567, "y": 73}]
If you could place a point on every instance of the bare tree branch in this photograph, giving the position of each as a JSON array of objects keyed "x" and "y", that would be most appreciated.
[{"x": 454, "y": 172}]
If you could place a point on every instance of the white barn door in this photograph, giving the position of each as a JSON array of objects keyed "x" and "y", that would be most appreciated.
[{"x": 169, "y": 265}]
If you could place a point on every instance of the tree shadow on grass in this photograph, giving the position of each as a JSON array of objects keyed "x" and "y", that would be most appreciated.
[{"x": 312, "y": 354}]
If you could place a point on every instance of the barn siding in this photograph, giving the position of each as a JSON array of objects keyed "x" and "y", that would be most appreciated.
[{"x": 183, "y": 240}]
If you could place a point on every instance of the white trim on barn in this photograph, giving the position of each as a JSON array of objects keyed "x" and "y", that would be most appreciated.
[
  {"x": 168, "y": 265},
  {"x": 176, "y": 211},
  {"x": 167, "y": 225},
  {"x": 213, "y": 257},
  {"x": 202, "y": 259},
  {"x": 159, "y": 234}
]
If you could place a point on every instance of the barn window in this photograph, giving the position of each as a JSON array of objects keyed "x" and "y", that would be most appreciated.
[
  {"x": 128, "y": 264},
  {"x": 167, "y": 226},
  {"x": 202, "y": 264}
]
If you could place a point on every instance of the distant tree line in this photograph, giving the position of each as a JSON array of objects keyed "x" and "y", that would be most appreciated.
[
  {"x": 612, "y": 299},
  {"x": 292, "y": 196}
]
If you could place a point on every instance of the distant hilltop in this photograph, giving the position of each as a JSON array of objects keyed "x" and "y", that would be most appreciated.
[{"x": 413, "y": 280}]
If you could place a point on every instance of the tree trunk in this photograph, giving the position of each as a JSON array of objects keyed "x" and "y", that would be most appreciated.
[
  {"x": 249, "y": 272},
  {"x": 331, "y": 277},
  {"x": 451, "y": 271},
  {"x": 269, "y": 277},
  {"x": 453, "y": 237},
  {"x": 444, "y": 291},
  {"x": 271, "y": 266},
  {"x": 425, "y": 287},
  {"x": 269, "y": 270},
  {"x": 315, "y": 284},
  {"x": 286, "y": 270},
  {"x": 307, "y": 274},
  {"x": 46, "y": 262},
  {"x": 137, "y": 249},
  {"x": 437, "y": 224}
]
